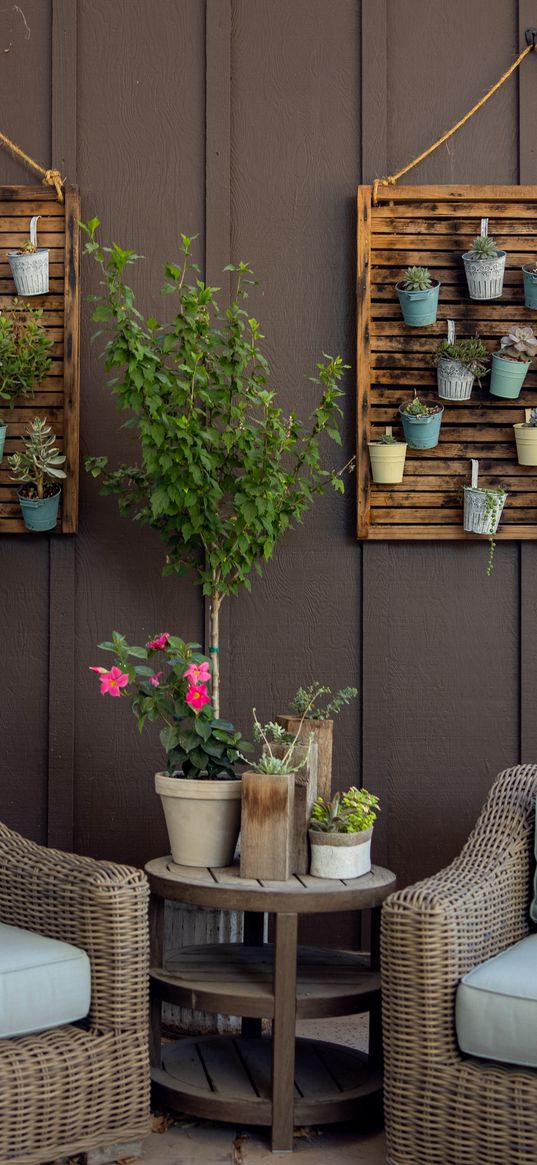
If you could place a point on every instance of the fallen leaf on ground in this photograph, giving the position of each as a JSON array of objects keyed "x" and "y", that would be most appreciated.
[
  {"x": 237, "y": 1158},
  {"x": 161, "y": 1121}
]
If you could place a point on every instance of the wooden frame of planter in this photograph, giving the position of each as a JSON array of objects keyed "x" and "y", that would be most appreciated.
[
  {"x": 59, "y": 394},
  {"x": 432, "y": 226}
]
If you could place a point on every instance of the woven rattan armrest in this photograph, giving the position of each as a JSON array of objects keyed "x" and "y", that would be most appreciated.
[
  {"x": 99, "y": 906},
  {"x": 434, "y": 932}
]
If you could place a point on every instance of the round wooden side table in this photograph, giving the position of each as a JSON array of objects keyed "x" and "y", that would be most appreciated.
[{"x": 252, "y": 1079}]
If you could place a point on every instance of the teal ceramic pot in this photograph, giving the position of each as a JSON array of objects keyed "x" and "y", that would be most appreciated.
[
  {"x": 3, "y": 431},
  {"x": 422, "y": 432},
  {"x": 530, "y": 287},
  {"x": 419, "y": 307},
  {"x": 40, "y": 513},
  {"x": 507, "y": 376}
]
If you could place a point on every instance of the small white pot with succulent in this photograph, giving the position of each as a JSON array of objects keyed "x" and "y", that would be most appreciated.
[
  {"x": 418, "y": 295},
  {"x": 484, "y": 265},
  {"x": 457, "y": 365},
  {"x": 512, "y": 363},
  {"x": 29, "y": 264},
  {"x": 387, "y": 459},
  {"x": 483, "y": 507},
  {"x": 340, "y": 834},
  {"x": 526, "y": 438}
]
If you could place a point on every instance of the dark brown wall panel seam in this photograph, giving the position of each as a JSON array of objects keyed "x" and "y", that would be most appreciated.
[{"x": 60, "y": 829}]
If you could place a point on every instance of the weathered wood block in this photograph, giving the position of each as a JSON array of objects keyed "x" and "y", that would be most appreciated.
[
  {"x": 267, "y": 824},
  {"x": 305, "y": 794},
  {"x": 323, "y": 733}
]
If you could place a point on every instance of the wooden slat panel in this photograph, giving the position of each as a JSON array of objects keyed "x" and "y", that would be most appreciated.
[
  {"x": 431, "y": 226},
  {"x": 57, "y": 397}
]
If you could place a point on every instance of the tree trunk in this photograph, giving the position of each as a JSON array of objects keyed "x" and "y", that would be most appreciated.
[{"x": 214, "y": 646}]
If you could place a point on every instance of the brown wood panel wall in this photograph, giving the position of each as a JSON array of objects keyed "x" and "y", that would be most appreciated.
[{"x": 321, "y": 96}]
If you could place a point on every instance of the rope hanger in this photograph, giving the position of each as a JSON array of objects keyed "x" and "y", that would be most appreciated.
[
  {"x": 531, "y": 37},
  {"x": 50, "y": 177}
]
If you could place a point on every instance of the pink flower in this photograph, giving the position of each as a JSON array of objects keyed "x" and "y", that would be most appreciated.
[
  {"x": 198, "y": 673},
  {"x": 197, "y": 697},
  {"x": 112, "y": 681},
  {"x": 159, "y": 643},
  {"x": 101, "y": 670},
  {"x": 155, "y": 680}
]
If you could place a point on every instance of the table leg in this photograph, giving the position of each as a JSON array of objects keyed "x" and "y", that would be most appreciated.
[
  {"x": 156, "y": 940},
  {"x": 283, "y": 1032},
  {"x": 253, "y": 933},
  {"x": 375, "y": 1016}
]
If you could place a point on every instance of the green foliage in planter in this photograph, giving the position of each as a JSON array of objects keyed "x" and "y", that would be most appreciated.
[
  {"x": 223, "y": 472},
  {"x": 469, "y": 353},
  {"x": 416, "y": 279},
  {"x": 305, "y": 703},
  {"x": 483, "y": 247},
  {"x": 24, "y": 352},
  {"x": 350, "y": 812},
  {"x": 387, "y": 439},
  {"x": 39, "y": 460},
  {"x": 417, "y": 407}
]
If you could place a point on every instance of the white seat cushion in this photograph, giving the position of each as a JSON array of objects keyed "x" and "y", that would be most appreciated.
[
  {"x": 43, "y": 983},
  {"x": 496, "y": 1007}
]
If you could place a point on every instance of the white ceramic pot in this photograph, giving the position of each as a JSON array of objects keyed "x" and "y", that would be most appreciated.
[
  {"x": 479, "y": 518},
  {"x": 455, "y": 382},
  {"x": 484, "y": 276},
  {"x": 340, "y": 855},
  {"x": 202, "y": 817}
]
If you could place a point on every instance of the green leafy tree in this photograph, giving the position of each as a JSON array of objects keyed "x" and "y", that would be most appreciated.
[{"x": 223, "y": 472}]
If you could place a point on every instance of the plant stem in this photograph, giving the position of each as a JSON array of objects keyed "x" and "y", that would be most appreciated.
[{"x": 214, "y": 644}]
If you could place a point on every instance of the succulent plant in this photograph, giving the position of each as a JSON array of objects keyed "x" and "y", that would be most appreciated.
[
  {"x": 417, "y": 408},
  {"x": 40, "y": 459},
  {"x": 470, "y": 353},
  {"x": 483, "y": 247},
  {"x": 417, "y": 279},
  {"x": 350, "y": 812},
  {"x": 532, "y": 423},
  {"x": 28, "y": 248},
  {"x": 519, "y": 344},
  {"x": 387, "y": 439}
]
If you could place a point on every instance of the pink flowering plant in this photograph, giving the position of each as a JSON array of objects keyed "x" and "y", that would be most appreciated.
[{"x": 169, "y": 681}]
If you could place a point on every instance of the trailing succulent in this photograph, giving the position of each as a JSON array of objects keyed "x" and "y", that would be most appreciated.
[
  {"x": 519, "y": 344},
  {"x": 470, "y": 353},
  {"x": 417, "y": 279},
  {"x": 350, "y": 812},
  {"x": 483, "y": 247}
]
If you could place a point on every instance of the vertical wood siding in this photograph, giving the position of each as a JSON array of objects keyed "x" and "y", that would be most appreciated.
[{"x": 251, "y": 122}]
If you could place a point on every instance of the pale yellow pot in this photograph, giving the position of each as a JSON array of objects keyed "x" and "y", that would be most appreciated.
[
  {"x": 526, "y": 444},
  {"x": 387, "y": 462}
]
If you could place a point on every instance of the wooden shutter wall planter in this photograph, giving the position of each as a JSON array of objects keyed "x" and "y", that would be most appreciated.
[
  {"x": 431, "y": 226},
  {"x": 59, "y": 394}
]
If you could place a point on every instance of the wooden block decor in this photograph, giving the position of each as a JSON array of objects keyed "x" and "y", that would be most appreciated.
[
  {"x": 267, "y": 816},
  {"x": 306, "y": 755},
  {"x": 57, "y": 398},
  {"x": 431, "y": 226}
]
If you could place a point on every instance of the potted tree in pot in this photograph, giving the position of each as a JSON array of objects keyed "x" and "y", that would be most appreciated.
[
  {"x": 29, "y": 264},
  {"x": 484, "y": 266},
  {"x": 526, "y": 439},
  {"x": 418, "y": 295},
  {"x": 38, "y": 468},
  {"x": 200, "y": 790},
  {"x": 24, "y": 356},
  {"x": 457, "y": 364},
  {"x": 511, "y": 364},
  {"x": 340, "y": 834},
  {"x": 421, "y": 421},
  {"x": 223, "y": 472},
  {"x": 387, "y": 459},
  {"x": 311, "y": 716}
]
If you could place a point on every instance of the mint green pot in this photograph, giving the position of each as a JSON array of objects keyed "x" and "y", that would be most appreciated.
[
  {"x": 419, "y": 308},
  {"x": 3, "y": 431},
  {"x": 40, "y": 513},
  {"x": 530, "y": 288},
  {"x": 507, "y": 376}
]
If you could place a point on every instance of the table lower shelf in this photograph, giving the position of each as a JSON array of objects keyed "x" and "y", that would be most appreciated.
[{"x": 227, "y": 1078}]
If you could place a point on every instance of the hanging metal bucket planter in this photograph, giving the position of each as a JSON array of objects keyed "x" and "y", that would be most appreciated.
[{"x": 30, "y": 269}]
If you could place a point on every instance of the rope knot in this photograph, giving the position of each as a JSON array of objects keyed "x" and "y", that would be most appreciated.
[
  {"x": 390, "y": 181},
  {"x": 54, "y": 178}
]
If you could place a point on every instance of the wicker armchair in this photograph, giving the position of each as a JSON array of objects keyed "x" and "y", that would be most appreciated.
[
  {"x": 443, "y": 1108},
  {"x": 86, "y": 1085}
]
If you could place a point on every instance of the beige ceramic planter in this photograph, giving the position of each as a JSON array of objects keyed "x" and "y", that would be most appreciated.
[
  {"x": 526, "y": 444},
  {"x": 387, "y": 462},
  {"x": 340, "y": 855},
  {"x": 202, "y": 817}
]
